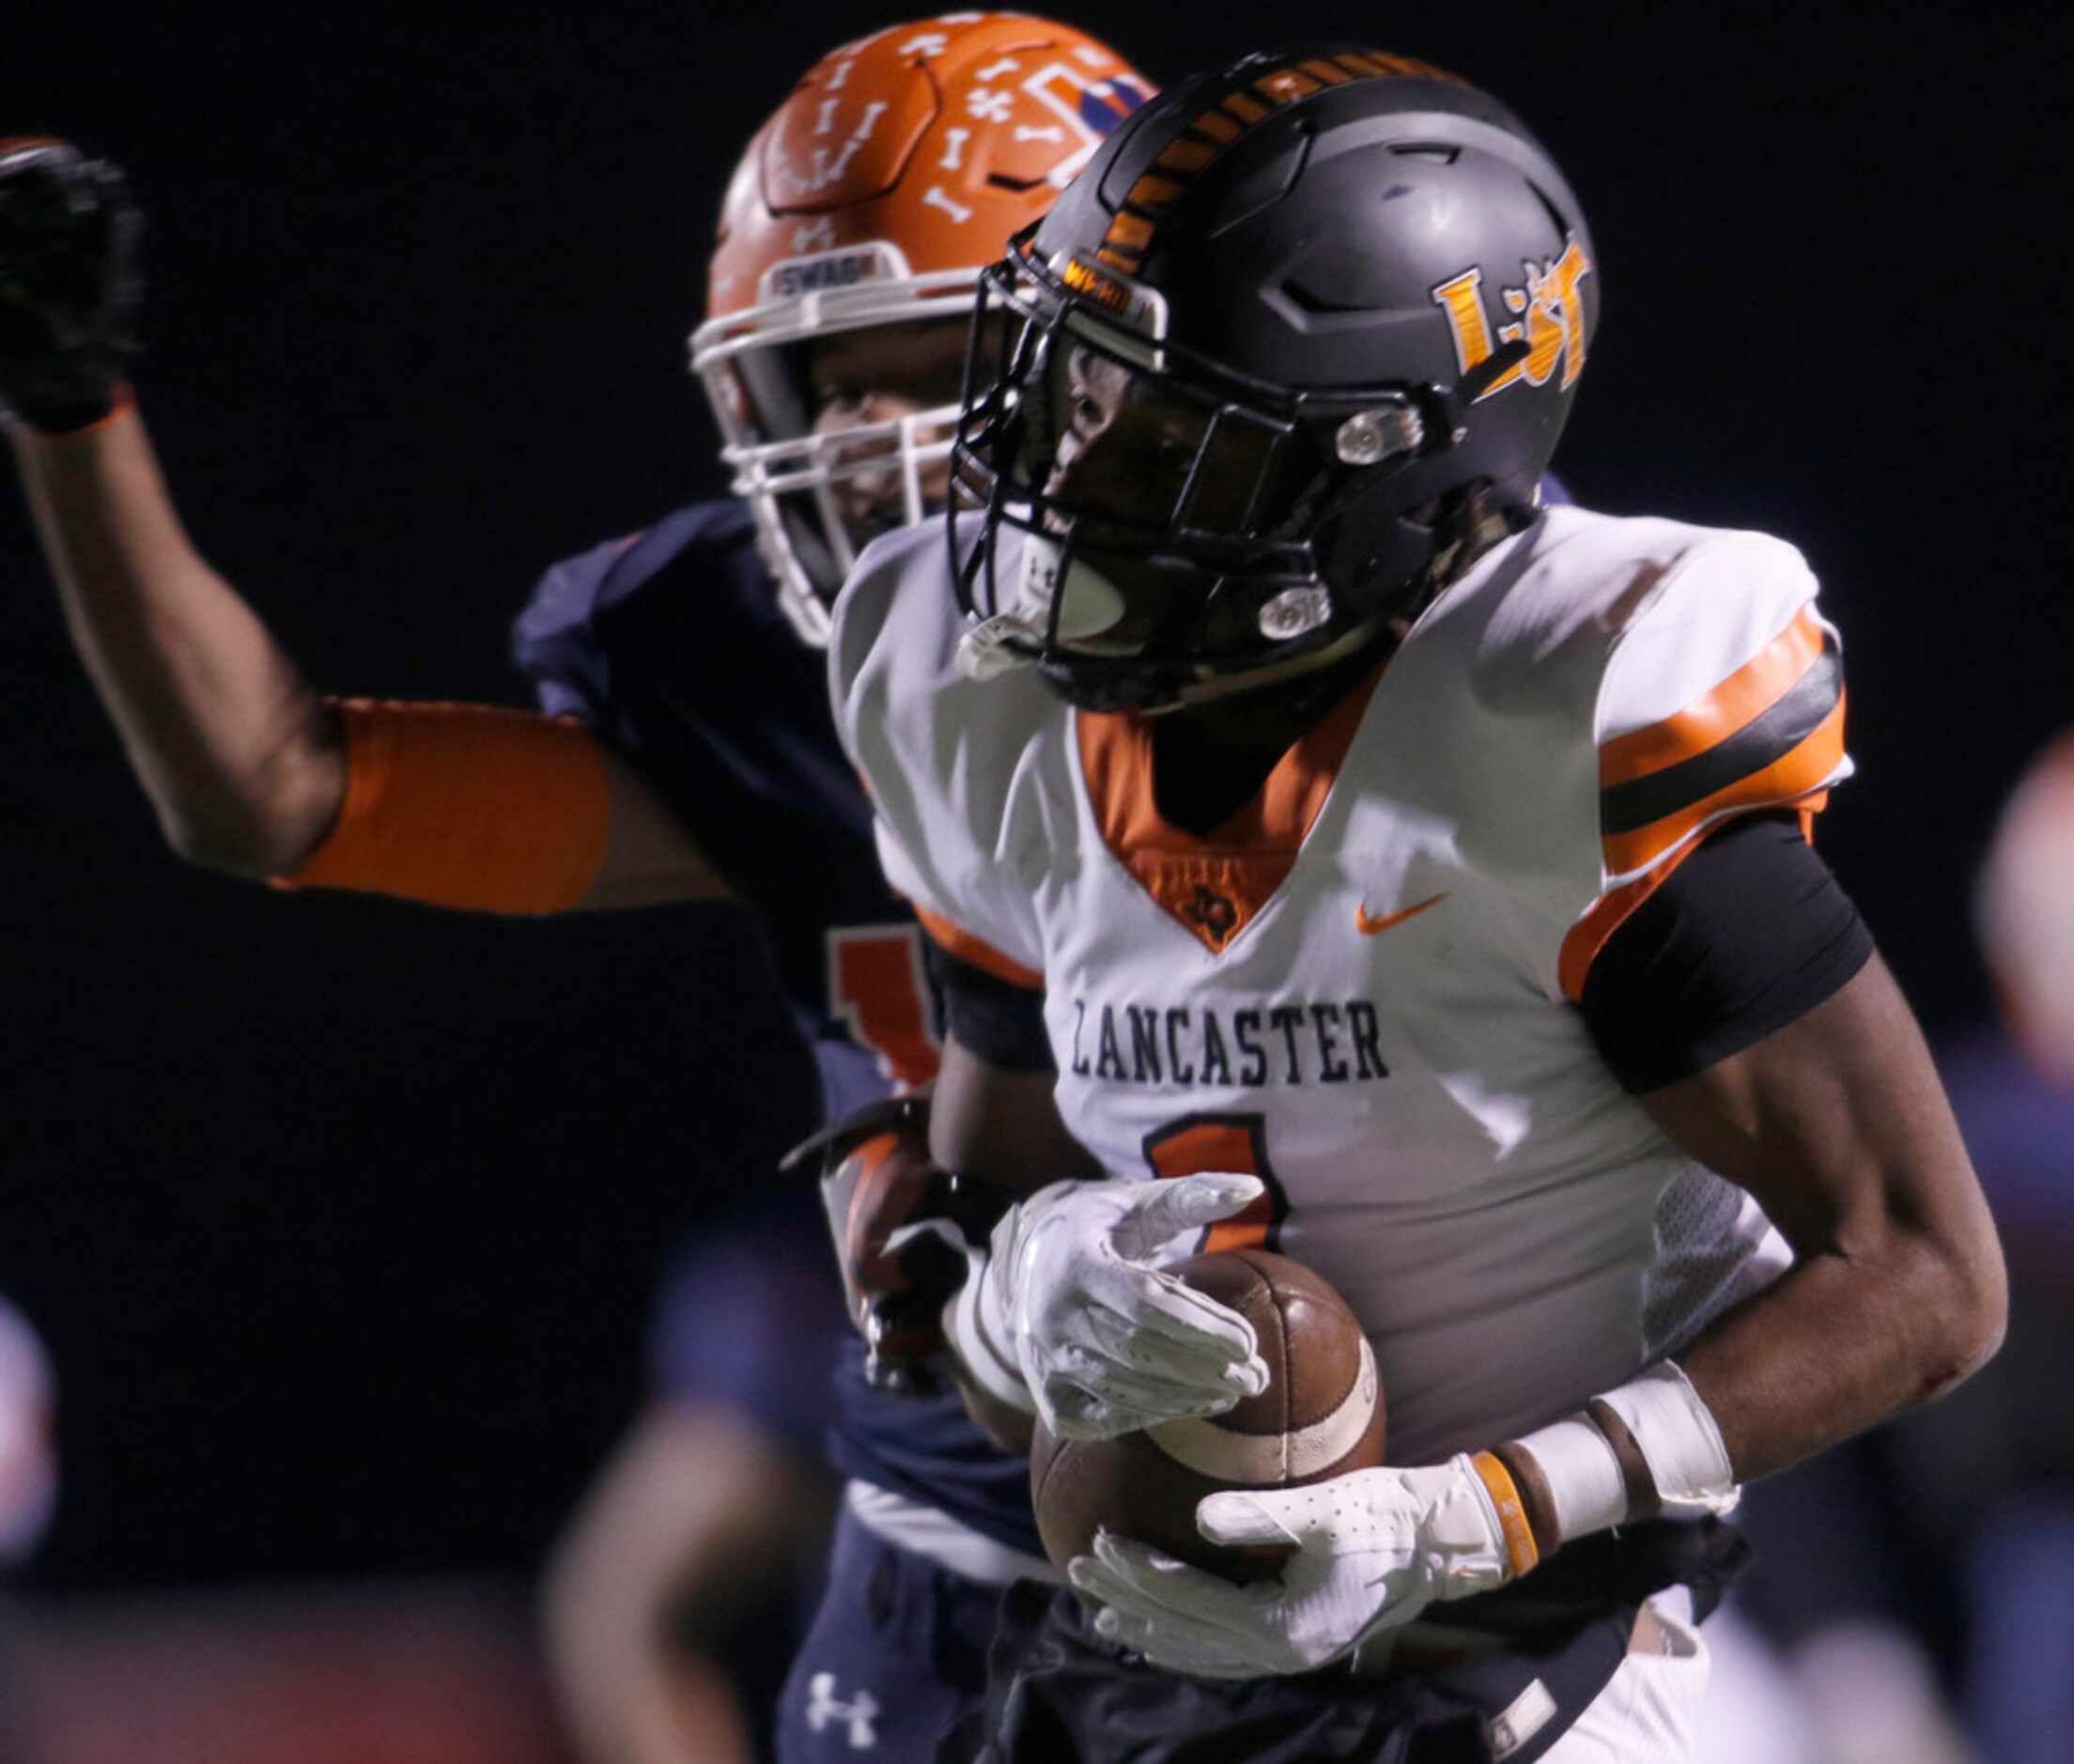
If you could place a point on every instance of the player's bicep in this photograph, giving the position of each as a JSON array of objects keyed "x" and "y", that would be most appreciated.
[{"x": 650, "y": 857}]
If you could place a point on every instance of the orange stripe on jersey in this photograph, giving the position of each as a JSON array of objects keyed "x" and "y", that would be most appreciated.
[
  {"x": 1710, "y": 720},
  {"x": 465, "y": 805},
  {"x": 1592, "y": 933},
  {"x": 1800, "y": 773},
  {"x": 124, "y": 404},
  {"x": 1212, "y": 886},
  {"x": 977, "y": 953}
]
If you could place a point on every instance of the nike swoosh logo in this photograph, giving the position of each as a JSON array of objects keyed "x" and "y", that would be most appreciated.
[{"x": 1369, "y": 927}]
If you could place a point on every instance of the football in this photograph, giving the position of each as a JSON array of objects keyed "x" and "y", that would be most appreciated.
[{"x": 1321, "y": 1416}]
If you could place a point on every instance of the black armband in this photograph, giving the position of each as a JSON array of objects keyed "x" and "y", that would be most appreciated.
[
  {"x": 1749, "y": 933},
  {"x": 1000, "y": 1023}
]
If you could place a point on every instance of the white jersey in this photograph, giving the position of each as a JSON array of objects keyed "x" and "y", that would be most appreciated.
[{"x": 1362, "y": 986}]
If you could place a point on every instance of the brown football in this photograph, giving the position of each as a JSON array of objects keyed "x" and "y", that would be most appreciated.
[{"x": 1321, "y": 1416}]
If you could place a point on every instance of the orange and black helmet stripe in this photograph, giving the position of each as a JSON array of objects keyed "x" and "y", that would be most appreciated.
[{"x": 1208, "y": 135}]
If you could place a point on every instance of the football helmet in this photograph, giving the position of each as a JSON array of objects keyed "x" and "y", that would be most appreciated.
[
  {"x": 1355, "y": 293},
  {"x": 897, "y": 170}
]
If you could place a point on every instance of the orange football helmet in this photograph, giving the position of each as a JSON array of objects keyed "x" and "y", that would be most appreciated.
[{"x": 894, "y": 174}]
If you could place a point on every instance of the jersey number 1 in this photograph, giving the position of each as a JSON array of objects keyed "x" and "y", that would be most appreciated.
[{"x": 1197, "y": 1144}]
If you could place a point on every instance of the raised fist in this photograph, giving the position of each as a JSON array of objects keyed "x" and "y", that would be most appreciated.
[{"x": 71, "y": 285}]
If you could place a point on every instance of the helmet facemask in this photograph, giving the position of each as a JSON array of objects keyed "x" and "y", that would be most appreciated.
[
  {"x": 1204, "y": 549},
  {"x": 820, "y": 493}
]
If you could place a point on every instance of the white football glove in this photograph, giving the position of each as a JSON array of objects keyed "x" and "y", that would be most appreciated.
[
  {"x": 1373, "y": 1548},
  {"x": 1071, "y": 1294}
]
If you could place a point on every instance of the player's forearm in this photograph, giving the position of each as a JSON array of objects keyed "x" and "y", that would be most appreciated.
[
  {"x": 1839, "y": 1127},
  {"x": 1844, "y": 1341},
  {"x": 1837, "y": 1345},
  {"x": 243, "y": 764}
]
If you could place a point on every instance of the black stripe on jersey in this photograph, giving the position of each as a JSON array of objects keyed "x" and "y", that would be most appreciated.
[
  {"x": 1626, "y": 808},
  {"x": 1002, "y": 1024}
]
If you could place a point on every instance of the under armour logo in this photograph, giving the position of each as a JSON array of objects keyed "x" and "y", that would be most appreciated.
[{"x": 824, "y": 1706}]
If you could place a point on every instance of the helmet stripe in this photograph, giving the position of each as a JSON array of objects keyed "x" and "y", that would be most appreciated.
[{"x": 1204, "y": 139}]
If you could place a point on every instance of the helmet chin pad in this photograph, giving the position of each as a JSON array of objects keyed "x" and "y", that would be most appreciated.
[
  {"x": 1044, "y": 611},
  {"x": 1088, "y": 603}
]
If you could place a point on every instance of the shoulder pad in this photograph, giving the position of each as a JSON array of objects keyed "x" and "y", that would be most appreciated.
[{"x": 1724, "y": 693}]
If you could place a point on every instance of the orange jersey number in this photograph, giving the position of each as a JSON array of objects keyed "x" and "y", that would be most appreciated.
[
  {"x": 876, "y": 984},
  {"x": 1197, "y": 1144}
]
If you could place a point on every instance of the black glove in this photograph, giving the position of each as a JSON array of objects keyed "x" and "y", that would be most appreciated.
[{"x": 70, "y": 285}]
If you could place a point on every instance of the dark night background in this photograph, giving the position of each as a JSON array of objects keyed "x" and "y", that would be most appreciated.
[{"x": 341, "y": 1217}]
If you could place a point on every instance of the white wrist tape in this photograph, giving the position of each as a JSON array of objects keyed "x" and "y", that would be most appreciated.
[
  {"x": 1583, "y": 1475},
  {"x": 1678, "y": 1441},
  {"x": 974, "y": 1328}
]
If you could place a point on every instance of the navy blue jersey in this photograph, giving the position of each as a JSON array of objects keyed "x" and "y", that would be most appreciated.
[{"x": 672, "y": 645}]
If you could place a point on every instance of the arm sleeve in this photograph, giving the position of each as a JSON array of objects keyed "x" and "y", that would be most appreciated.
[
  {"x": 466, "y": 805},
  {"x": 1752, "y": 932},
  {"x": 1001, "y": 1022}
]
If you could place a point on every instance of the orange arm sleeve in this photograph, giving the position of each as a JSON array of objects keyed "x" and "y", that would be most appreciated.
[{"x": 465, "y": 805}]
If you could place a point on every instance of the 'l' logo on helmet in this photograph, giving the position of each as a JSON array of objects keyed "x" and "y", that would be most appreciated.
[{"x": 1551, "y": 319}]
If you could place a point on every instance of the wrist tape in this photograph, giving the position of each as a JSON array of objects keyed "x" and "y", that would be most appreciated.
[
  {"x": 1680, "y": 1440},
  {"x": 1583, "y": 1475},
  {"x": 1675, "y": 1435}
]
